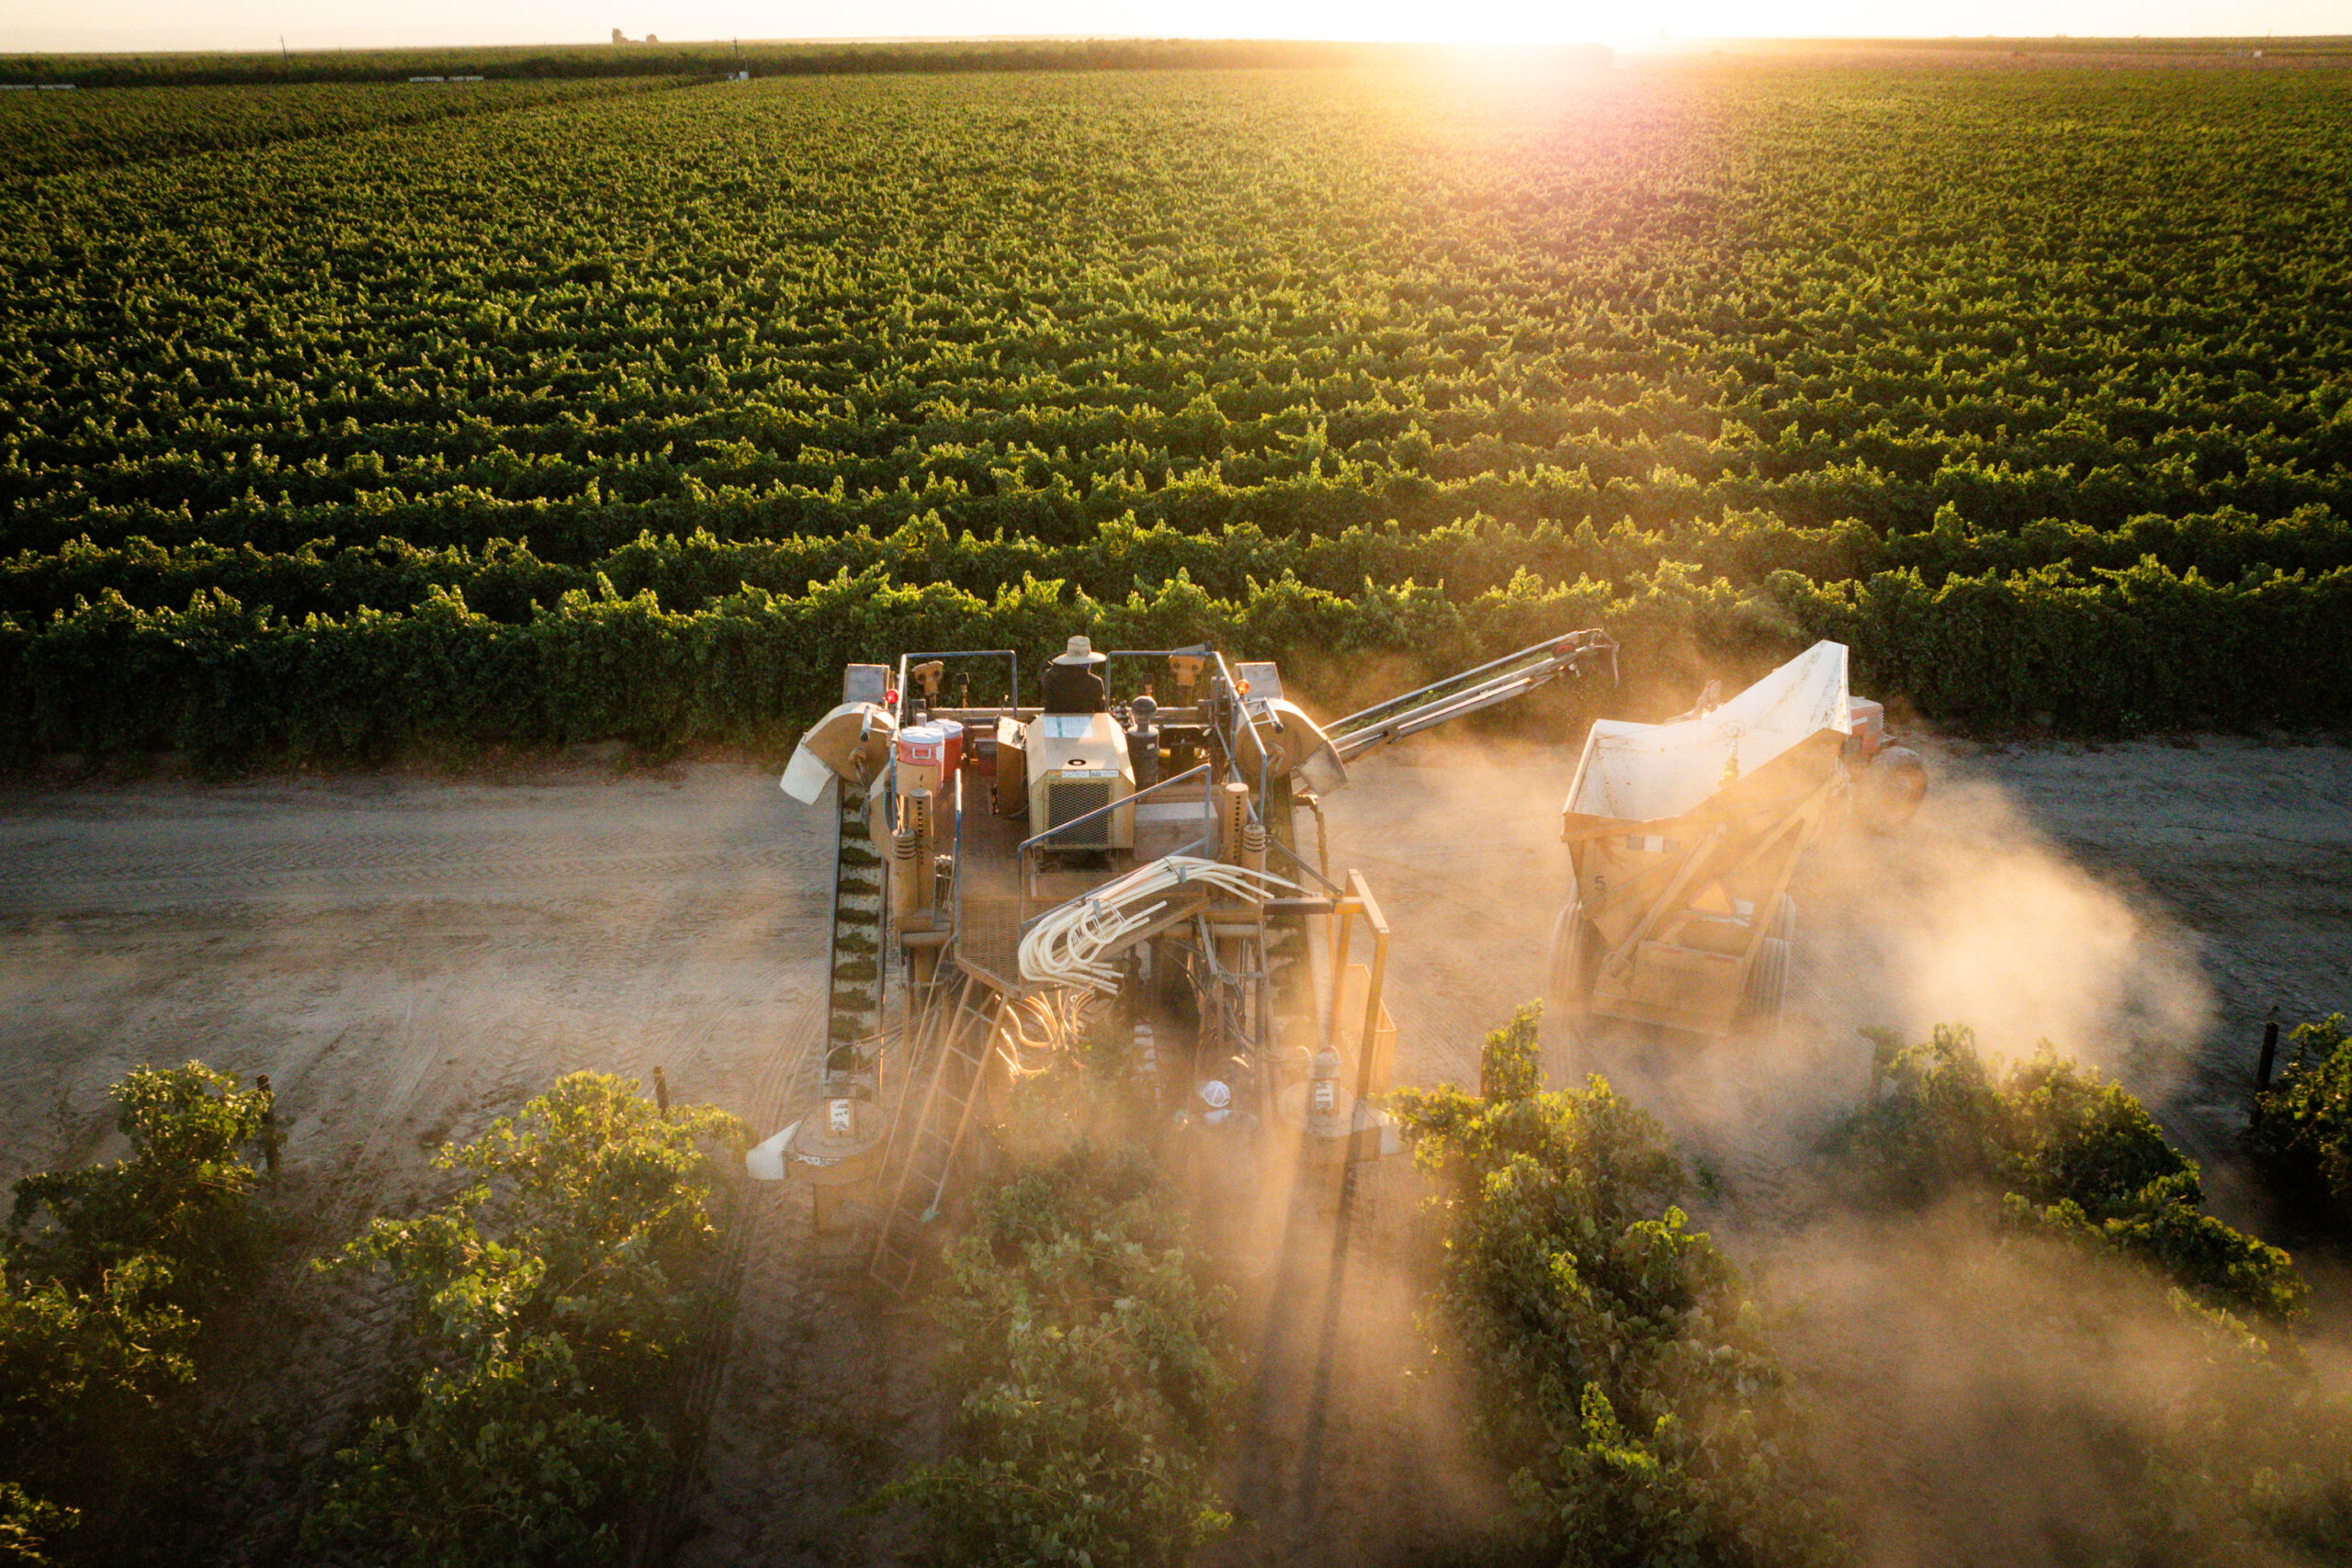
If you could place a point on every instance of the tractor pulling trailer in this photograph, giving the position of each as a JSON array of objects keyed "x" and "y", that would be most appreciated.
[{"x": 1003, "y": 869}]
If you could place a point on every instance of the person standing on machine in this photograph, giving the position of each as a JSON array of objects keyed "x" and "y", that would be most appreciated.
[
  {"x": 1073, "y": 682},
  {"x": 1216, "y": 1163}
]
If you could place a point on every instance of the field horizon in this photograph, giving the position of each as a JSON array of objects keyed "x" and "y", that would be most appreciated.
[{"x": 111, "y": 66}]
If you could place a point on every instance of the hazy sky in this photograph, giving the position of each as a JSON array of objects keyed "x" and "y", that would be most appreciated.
[{"x": 307, "y": 24}]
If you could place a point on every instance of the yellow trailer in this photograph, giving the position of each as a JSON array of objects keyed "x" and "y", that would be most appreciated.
[{"x": 1685, "y": 838}]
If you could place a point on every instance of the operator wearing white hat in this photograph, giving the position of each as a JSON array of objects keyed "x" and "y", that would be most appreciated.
[{"x": 1073, "y": 681}]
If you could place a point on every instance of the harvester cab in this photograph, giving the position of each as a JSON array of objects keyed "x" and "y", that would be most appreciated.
[
  {"x": 1008, "y": 873},
  {"x": 1685, "y": 835}
]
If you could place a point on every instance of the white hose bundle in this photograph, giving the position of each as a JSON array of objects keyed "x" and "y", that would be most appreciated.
[
  {"x": 1077, "y": 943},
  {"x": 1032, "y": 1030}
]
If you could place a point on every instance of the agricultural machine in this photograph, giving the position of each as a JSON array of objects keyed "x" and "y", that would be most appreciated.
[
  {"x": 1685, "y": 835},
  {"x": 1003, "y": 868}
]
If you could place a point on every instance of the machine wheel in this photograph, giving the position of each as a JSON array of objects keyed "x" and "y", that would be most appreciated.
[
  {"x": 1571, "y": 965},
  {"x": 1768, "y": 977},
  {"x": 1892, "y": 788}
]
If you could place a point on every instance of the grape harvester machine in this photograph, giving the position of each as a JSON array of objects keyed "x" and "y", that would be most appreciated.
[{"x": 1002, "y": 867}]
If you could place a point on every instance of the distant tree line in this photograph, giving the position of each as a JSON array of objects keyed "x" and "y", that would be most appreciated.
[{"x": 770, "y": 59}]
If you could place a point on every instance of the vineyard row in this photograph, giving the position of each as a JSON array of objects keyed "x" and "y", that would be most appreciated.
[
  {"x": 42, "y": 135},
  {"x": 508, "y": 581},
  {"x": 2134, "y": 648},
  {"x": 830, "y": 305}
]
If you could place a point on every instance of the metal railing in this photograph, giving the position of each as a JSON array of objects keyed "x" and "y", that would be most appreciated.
[{"x": 907, "y": 661}]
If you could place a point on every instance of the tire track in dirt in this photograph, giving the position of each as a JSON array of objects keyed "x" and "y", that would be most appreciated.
[{"x": 147, "y": 885}]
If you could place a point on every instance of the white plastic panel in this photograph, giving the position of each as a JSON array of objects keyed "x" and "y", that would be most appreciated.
[
  {"x": 1643, "y": 772},
  {"x": 853, "y": 742},
  {"x": 763, "y": 1161},
  {"x": 806, "y": 776}
]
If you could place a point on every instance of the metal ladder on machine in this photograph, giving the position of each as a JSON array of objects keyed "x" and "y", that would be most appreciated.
[{"x": 949, "y": 1058}]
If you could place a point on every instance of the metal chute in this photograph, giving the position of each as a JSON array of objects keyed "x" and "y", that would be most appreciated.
[
  {"x": 851, "y": 743},
  {"x": 1459, "y": 695},
  {"x": 1643, "y": 772},
  {"x": 1283, "y": 740}
]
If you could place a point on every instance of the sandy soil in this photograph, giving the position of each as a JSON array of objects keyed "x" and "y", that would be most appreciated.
[
  {"x": 405, "y": 959},
  {"x": 409, "y": 958}
]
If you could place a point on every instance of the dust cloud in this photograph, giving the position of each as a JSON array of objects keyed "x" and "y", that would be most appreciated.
[
  {"x": 409, "y": 958},
  {"x": 1353, "y": 1443},
  {"x": 1971, "y": 914},
  {"x": 1982, "y": 1399},
  {"x": 1975, "y": 1398}
]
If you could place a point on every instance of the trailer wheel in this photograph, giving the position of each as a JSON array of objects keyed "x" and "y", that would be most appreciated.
[
  {"x": 1891, "y": 790},
  {"x": 1768, "y": 977}
]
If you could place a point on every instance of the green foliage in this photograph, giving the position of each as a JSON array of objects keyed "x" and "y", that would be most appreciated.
[
  {"x": 2068, "y": 1154},
  {"x": 1624, "y": 1384},
  {"x": 1725, "y": 360},
  {"x": 43, "y": 133},
  {"x": 2247, "y": 1454},
  {"x": 2303, "y": 1140},
  {"x": 506, "y": 1458},
  {"x": 227, "y": 681},
  {"x": 26, "y": 1525},
  {"x": 589, "y": 1215},
  {"x": 106, "y": 1273},
  {"x": 2245, "y": 1458},
  {"x": 106, "y": 1268},
  {"x": 550, "y": 1296},
  {"x": 1510, "y": 1064},
  {"x": 69, "y": 1353},
  {"x": 1096, "y": 1366},
  {"x": 87, "y": 1381},
  {"x": 180, "y": 1194}
]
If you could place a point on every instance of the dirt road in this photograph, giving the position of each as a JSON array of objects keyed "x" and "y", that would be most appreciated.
[
  {"x": 409, "y": 958},
  {"x": 405, "y": 959}
]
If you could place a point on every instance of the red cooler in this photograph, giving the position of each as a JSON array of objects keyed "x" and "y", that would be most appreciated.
[{"x": 922, "y": 745}]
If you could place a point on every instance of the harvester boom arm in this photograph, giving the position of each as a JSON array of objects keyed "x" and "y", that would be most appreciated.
[{"x": 1513, "y": 675}]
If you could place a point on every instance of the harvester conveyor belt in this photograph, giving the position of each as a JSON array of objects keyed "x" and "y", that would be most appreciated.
[
  {"x": 1469, "y": 691},
  {"x": 853, "y": 1015}
]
